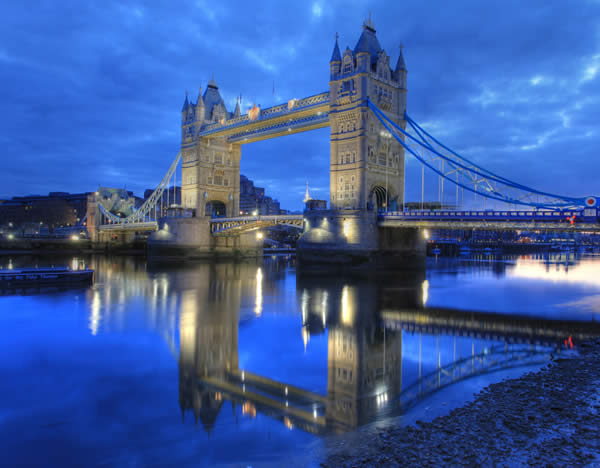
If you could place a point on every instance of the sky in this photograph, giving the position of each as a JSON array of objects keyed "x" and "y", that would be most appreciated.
[{"x": 91, "y": 92}]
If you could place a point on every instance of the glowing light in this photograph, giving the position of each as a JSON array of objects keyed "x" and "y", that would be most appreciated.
[
  {"x": 346, "y": 228},
  {"x": 286, "y": 391},
  {"x": 254, "y": 112},
  {"x": 254, "y": 213},
  {"x": 11, "y": 236},
  {"x": 291, "y": 104},
  {"x": 259, "y": 235},
  {"x": 74, "y": 237},
  {"x": 425, "y": 233},
  {"x": 425, "y": 289},
  {"x": 347, "y": 307},
  {"x": 288, "y": 423},
  {"x": 259, "y": 293},
  {"x": 243, "y": 376}
]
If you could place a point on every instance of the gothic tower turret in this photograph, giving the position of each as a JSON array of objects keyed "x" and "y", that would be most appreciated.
[
  {"x": 336, "y": 60},
  {"x": 367, "y": 164}
]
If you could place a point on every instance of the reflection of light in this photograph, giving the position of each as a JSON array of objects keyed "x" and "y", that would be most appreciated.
[
  {"x": 382, "y": 398},
  {"x": 305, "y": 336},
  {"x": 315, "y": 412},
  {"x": 346, "y": 228},
  {"x": 324, "y": 307},
  {"x": 304, "y": 306},
  {"x": 249, "y": 409},
  {"x": 10, "y": 264},
  {"x": 259, "y": 292},
  {"x": 425, "y": 288},
  {"x": 95, "y": 312},
  {"x": 347, "y": 307},
  {"x": 584, "y": 272},
  {"x": 288, "y": 423}
]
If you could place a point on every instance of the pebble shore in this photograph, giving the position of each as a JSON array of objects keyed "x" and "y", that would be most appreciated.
[{"x": 546, "y": 418}]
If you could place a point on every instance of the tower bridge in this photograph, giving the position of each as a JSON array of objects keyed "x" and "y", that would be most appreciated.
[{"x": 371, "y": 133}]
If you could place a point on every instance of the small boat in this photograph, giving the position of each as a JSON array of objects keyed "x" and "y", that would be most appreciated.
[{"x": 44, "y": 276}]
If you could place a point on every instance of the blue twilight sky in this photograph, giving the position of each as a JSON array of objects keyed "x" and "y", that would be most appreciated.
[{"x": 91, "y": 92}]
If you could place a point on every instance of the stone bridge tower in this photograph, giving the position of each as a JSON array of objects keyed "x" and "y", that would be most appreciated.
[
  {"x": 367, "y": 165},
  {"x": 210, "y": 166}
]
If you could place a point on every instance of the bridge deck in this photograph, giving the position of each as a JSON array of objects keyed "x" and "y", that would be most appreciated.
[
  {"x": 296, "y": 116},
  {"x": 567, "y": 220}
]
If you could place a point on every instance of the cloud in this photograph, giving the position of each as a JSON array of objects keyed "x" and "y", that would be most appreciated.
[{"x": 88, "y": 87}]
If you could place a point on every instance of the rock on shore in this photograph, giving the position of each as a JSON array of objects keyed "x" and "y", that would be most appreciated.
[{"x": 549, "y": 418}]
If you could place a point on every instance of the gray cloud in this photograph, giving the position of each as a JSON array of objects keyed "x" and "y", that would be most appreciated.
[{"x": 90, "y": 93}]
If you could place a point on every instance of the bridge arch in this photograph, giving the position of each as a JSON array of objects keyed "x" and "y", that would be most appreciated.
[
  {"x": 379, "y": 197},
  {"x": 215, "y": 209}
]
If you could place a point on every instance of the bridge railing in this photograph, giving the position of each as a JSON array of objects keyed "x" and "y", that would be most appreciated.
[
  {"x": 589, "y": 215},
  {"x": 267, "y": 113}
]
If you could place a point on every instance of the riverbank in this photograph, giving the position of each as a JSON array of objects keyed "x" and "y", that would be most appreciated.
[{"x": 549, "y": 417}]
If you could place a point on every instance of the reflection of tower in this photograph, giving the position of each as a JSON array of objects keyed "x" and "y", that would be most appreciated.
[
  {"x": 364, "y": 363},
  {"x": 364, "y": 360},
  {"x": 208, "y": 338}
]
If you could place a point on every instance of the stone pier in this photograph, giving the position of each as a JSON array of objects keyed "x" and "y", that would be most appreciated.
[
  {"x": 191, "y": 239},
  {"x": 352, "y": 239}
]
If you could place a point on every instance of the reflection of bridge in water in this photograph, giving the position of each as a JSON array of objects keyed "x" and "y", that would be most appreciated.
[
  {"x": 365, "y": 354},
  {"x": 384, "y": 347}
]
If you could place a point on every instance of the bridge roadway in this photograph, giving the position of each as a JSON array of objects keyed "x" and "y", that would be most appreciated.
[
  {"x": 298, "y": 115},
  {"x": 586, "y": 220},
  {"x": 232, "y": 226},
  {"x": 583, "y": 221}
]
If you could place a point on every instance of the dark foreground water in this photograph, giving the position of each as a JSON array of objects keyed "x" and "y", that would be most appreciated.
[{"x": 254, "y": 364}]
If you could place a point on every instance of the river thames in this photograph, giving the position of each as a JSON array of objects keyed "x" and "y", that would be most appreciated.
[{"x": 258, "y": 364}]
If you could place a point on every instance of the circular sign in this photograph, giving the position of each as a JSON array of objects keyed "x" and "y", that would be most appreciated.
[{"x": 590, "y": 202}]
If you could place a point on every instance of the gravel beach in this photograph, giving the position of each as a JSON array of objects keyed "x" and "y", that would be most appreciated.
[{"x": 546, "y": 418}]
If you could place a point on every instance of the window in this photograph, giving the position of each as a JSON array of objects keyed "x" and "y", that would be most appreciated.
[
  {"x": 209, "y": 180},
  {"x": 218, "y": 180}
]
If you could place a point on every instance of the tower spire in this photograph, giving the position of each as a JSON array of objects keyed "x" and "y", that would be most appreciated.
[
  {"x": 400, "y": 65},
  {"x": 336, "y": 56},
  {"x": 307, "y": 196}
]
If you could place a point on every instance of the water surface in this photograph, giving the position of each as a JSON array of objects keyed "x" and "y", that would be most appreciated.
[{"x": 254, "y": 363}]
